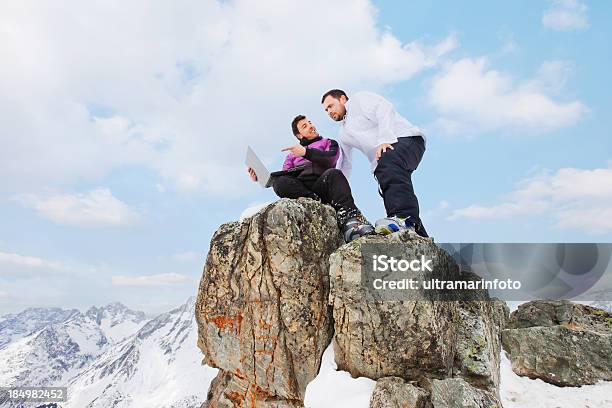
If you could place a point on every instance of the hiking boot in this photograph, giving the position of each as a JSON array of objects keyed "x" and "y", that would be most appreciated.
[
  {"x": 389, "y": 225},
  {"x": 355, "y": 228},
  {"x": 352, "y": 223}
]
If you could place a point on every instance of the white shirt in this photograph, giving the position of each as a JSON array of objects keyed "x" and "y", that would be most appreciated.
[{"x": 370, "y": 121}]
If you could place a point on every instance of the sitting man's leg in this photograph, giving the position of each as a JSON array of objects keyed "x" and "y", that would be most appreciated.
[
  {"x": 394, "y": 176},
  {"x": 333, "y": 188},
  {"x": 292, "y": 187}
]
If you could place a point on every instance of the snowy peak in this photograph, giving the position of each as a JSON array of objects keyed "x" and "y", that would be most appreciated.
[
  {"x": 171, "y": 328},
  {"x": 60, "y": 344},
  {"x": 53, "y": 354},
  {"x": 149, "y": 368},
  {"x": 16, "y": 326},
  {"x": 149, "y": 363},
  {"x": 116, "y": 313},
  {"x": 116, "y": 320}
]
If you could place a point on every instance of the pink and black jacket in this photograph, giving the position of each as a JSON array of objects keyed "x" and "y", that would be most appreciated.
[{"x": 321, "y": 154}]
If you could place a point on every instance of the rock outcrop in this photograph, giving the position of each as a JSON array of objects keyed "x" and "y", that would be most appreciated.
[
  {"x": 456, "y": 392},
  {"x": 262, "y": 310},
  {"x": 394, "y": 392},
  {"x": 478, "y": 350},
  {"x": 277, "y": 285},
  {"x": 560, "y": 342},
  {"x": 414, "y": 339}
]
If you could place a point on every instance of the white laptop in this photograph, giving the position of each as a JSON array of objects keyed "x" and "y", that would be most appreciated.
[{"x": 264, "y": 177}]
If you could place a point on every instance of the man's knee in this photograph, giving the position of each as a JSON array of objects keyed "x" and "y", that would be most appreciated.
[
  {"x": 282, "y": 186},
  {"x": 387, "y": 175},
  {"x": 332, "y": 173},
  {"x": 334, "y": 178}
]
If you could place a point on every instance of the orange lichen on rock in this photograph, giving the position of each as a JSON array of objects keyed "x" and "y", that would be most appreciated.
[
  {"x": 239, "y": 374},
  {"x": 264, "y": 325},
  {"x": 236, "y": 398},
  {"x": 232, "y": 323}
]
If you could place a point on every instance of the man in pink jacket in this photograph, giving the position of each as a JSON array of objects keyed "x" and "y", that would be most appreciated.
[{"x": 319, "y": 179}]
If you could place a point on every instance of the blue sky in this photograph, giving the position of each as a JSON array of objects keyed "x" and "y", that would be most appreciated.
[{"x": 123, "y": 148}]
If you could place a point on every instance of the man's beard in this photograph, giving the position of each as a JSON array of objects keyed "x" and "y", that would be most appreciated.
[{"x": 341, "y": 116}]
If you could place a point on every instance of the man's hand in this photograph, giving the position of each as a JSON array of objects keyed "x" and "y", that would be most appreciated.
[
  {"x": 252, "y": 174},
  {"x": 297, "y": 150},
  {"x": 381, "y": 149}
]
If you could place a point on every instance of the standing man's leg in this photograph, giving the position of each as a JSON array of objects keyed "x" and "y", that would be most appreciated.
[{"x": 394, "y": 176}]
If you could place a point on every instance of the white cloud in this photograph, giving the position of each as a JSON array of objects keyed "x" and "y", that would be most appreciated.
[
  {"x": 17, "y": 260},
  {"x": 597, "y": 219},
  {"x": 574, "y": 198},
  {"x": 182, "y": 91},
  {"x": 566, "y": 15},
  {"x": 500, "y": 211},
  {"x": 473, "y": 98},
  {"x": 95, "y": 208},
  {"x": 3, "y": 296},
  {"x": 162, "y": 279}
]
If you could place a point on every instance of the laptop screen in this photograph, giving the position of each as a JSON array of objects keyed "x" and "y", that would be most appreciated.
[{"x": 263, "y": 175}]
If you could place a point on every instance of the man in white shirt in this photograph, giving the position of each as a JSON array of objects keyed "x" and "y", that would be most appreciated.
[{"x": 393, "y": 145}]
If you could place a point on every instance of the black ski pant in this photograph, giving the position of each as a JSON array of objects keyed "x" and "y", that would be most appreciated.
[
  {"x": 394, "y": 176},
  {"x": 331, "y": 187}
]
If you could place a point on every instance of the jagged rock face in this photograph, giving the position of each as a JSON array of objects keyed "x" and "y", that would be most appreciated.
[
  {"x": 479, "y": 342},
  {"x": 394, "y": 392},
  {"x": 456, "y": 392},
  {"x": 378, "y": 339},
  {"x": 560, "y": 342},
  {"x": 415, "y": 340},
  {"x": 411, "y": 338},
  {"x": 262, "y": 310},
  {"x": 230, "y": 391}
]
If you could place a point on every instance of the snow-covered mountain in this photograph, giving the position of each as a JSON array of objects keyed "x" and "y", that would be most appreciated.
[
  {"x": 113, "y": 357},
  {"x": 116, "y": 321},
  {"x": 159, "y": 366},
  {"x": 61, "y": 343},
  {"x": 15, "y": 326}
]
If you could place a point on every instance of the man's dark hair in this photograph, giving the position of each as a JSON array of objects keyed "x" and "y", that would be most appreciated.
[
  {"x": 294, "y": 124},
  {"x": 335, "y": 93}
]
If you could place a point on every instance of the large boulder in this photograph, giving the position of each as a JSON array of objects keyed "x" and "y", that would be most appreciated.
[
  {"x": 394, "y": 392},
  {"x": 457, "y": 393},
  {"x": 386, "y": 338},
  {"x": 415, "y": 338},
  {"x": 560, "y": 342},
  {"x": 262, "y": 310},
  {"x": 478, "y": 349}
]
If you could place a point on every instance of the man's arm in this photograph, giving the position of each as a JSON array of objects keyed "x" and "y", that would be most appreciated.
[{"x": 322, "y": 156}]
